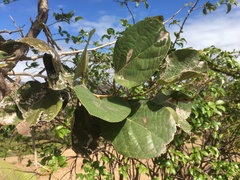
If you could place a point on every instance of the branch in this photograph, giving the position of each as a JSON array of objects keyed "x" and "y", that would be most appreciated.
[
  {"x": 181, "y": 28},
  {"x": 33, "y": 58},
  {"x": 10, "y": 32},
  {"x": 42, "y": 17},
  {"x": 90, "y": 49},
  {"x": 26, "y": 74},
  {"x": 176, "y": 13},
  {"x": 15, "y": 24},
  {"x": 129, "y": 10}
]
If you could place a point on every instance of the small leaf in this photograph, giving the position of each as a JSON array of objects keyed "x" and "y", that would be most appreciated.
[
  {"x": 111, "y": 109},
  {"x": 83, "y": 62},
  {"x": 229, "y": 7}
]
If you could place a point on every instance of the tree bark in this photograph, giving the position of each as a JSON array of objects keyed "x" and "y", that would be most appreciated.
[
  {"x": 36, "y": 26},
  {"x": 33, "y": 32}
]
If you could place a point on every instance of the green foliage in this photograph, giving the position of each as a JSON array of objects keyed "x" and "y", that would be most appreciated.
[{"x": 142, "y": 99}]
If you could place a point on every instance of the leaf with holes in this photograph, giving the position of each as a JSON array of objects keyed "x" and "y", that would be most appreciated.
[
  {"x": 140, "y": 52},
  {"x": 38, "y": 44},
  {"x": 37, "y": 102},
  {"x": 111, "y": 109},
  {"x": 183, "y": 111},
  {"x": 179, "y": 105},
  {"x": 182, "y": 64},
  {"x": 145, "y": 132}
]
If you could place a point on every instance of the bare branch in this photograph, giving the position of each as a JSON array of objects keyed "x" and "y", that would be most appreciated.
[
  {"x": 15, "y": 24},
  {"x": 26, "y": 74},
  {"x": 176, "y": 13},
  {"x": 90, "y": 49},
  {"x": 185, "y": 20},
  {"x": 41, "y": 18},
  {"x": 129, "y": 10},
  {"x": 69, "y": 53},
  {"x": 10, "y": 32}
]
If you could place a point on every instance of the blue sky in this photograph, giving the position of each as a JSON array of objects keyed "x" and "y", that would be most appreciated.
[
  {"x": 200, "y": 31},
  {"x": 218, "y": 28}
]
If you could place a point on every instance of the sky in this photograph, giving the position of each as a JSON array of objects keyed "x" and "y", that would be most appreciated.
[{"x": 200, "y": 31}]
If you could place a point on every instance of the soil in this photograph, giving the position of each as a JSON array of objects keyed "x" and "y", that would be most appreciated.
[{"x": 61, "y": 173}]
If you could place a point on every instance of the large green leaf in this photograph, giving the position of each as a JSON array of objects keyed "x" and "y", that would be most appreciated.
[
  {"x": 182, "y": 64},
  {"x": 145, "y": 132},
  {"x": 139, "y": 52},
  {"x": 83, "y": 62},
  {"x": 9, "y": 172},
  {"x": 37, "y": 102},
  {"x": 111, "y": 109}
]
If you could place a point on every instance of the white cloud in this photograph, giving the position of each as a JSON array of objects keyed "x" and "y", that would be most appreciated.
[
  {"x": 218, "y": 29},
  {"x": 101, "y": 25}
]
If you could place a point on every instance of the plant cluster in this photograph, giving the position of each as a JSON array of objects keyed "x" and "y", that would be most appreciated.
[{"x": 141, "y": 109}]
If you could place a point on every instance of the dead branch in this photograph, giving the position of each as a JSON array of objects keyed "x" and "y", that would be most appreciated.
[
  {"x": 10, "y": 32},
  {"x": 26, "y": 74},
  {"x": 176, "y": 13},
  {"x": 90, "y": 49},
  {"x": 184, "y": 21},
  {"x": 15, "y": 24}
]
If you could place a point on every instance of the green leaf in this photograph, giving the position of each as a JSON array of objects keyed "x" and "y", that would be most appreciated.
[
  {"x": 139, "y": 52},
  {"x": 229, "y": 7},
  {"x": 111, "y": 109},
  {"x": 37, "y": 102},
  {"x": 145, "y": 133},
  {"x": 83, "y": 62},
  {"x": 9, "y": 172},
  {"x": 182, "y": 64}
]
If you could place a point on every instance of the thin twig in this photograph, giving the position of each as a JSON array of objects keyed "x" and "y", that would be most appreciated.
[
  {"x": 15, "y": 24},
  {"x": 33, "y": 58},
  {"x": 184, "y": 21},
  {"x": 26, "y": 74},
  {"x": 90, "y": 49},
  {"x": 129, "y": 10},
  {"x": 10, "y": 32},
  {"x": 176, "y": 13}
]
